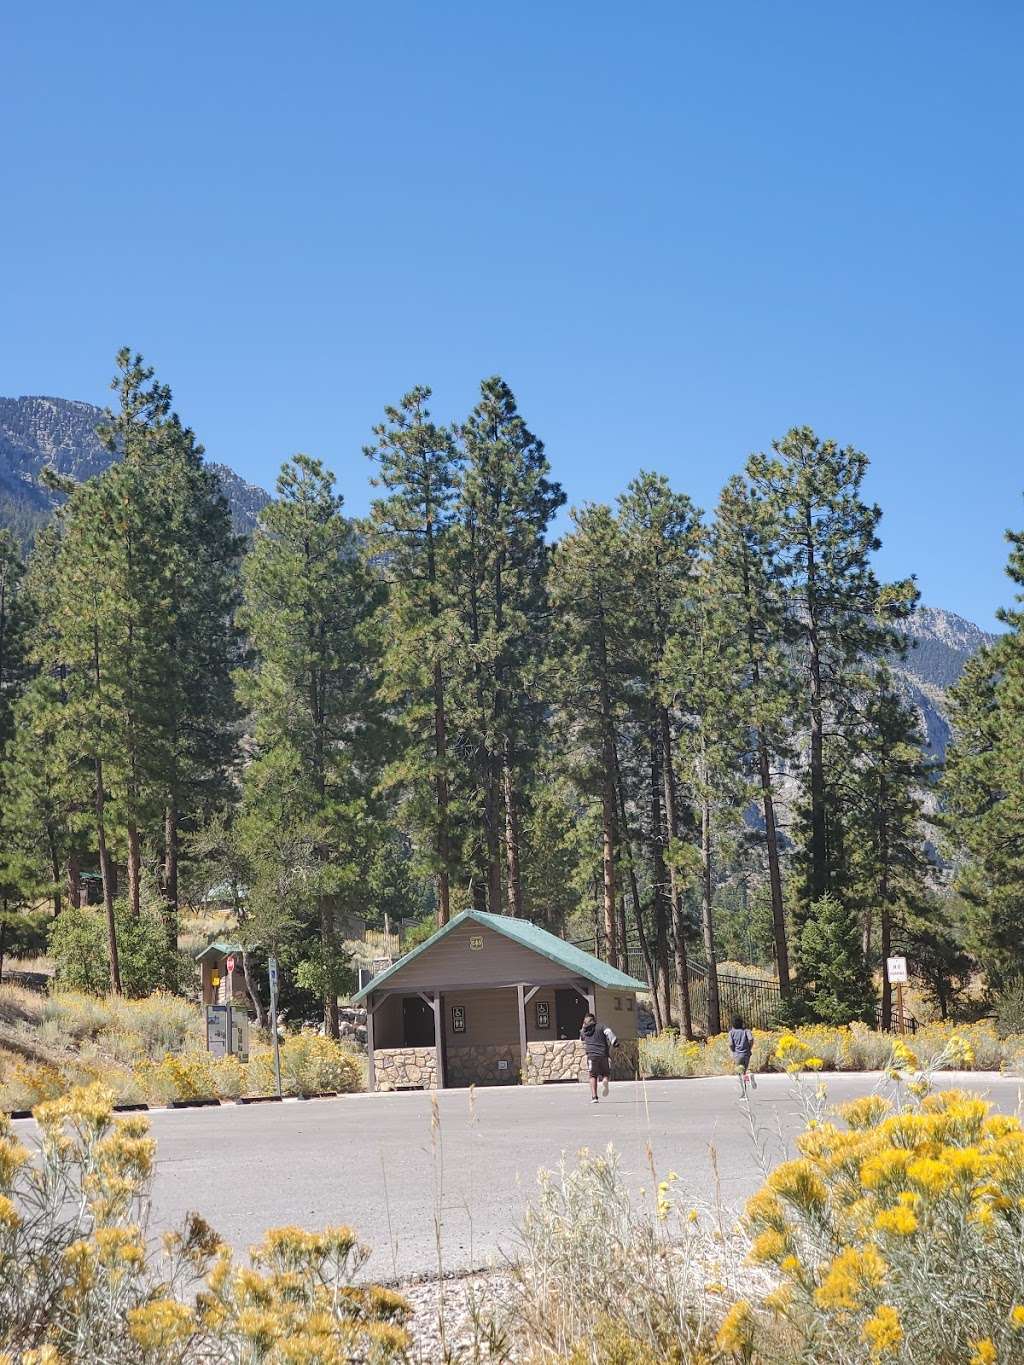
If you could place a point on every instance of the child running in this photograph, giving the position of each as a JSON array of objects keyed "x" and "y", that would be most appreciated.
[{"x": 741, "y": 1045}]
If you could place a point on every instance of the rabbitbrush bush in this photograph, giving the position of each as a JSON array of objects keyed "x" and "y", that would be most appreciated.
[
  {"x": 897, "y": 1234},
  {"x": 853, "y": 1048},
  {"x": 80, "y": 1283}
]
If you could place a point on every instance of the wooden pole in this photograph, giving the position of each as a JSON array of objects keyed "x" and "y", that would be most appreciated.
[
  {"x": 520, "y": 996},
  {"x": 371, "y": 1072},
  {"x": 900, "y": 1025}
]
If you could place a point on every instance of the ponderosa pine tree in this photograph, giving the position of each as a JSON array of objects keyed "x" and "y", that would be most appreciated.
[
  {"x": 885, "y": 780},
  {"x": 663, "y": 539},
  {"x": 309, "y": 600},
  {"x": 592, "y": 652},
  {"x": 505, "y": 504},
  {"x": 983, "y": 788},
  {"x": 409, "y": 534},
  {"x": 744, "y": 537},
  {"x": 706, "y": 659},
  {"x": 839, "y": 616}
]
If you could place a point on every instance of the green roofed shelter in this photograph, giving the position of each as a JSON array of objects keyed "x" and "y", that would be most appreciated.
[
  {"x": 213, "y": 967},
  {"x": 492, "y": 1000}
]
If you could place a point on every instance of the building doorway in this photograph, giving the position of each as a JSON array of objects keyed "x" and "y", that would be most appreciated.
[
  {"x": 417, "y": 1022},
  {"x": 570, "y": 1008}
]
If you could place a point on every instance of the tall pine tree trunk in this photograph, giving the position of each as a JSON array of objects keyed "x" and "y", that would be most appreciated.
[
  {"x": 171, "y": 871},
  {"x": 817, "y": 882},
  {"x": 134, "y": 870},
  {"x": 678, "y": 928},
  {"x": 252, "y": 986},
  {"x": 441, "y": 842},
  {"x": 774, "y": 869},
  {"x": 107, "y": 875},
  {"x": 492, "y": 812},
  {"x": 609, "y": 841},
  {"x": 883, "y": 901},
  {"x": 106, "y": 866},
  {"x": 615, "y": 945},
  {"x": 442, "y": 838},
  {"x": 662, "y": 903},
  {"x": 514, "y": 885},
  {"x": 331, "y": 1022},
  {"x": 74, "y": 880},
  {"x": 51, "y": 848},
  {"x": 627, "y": 850},
  {"x": 714, "y": 1020}
]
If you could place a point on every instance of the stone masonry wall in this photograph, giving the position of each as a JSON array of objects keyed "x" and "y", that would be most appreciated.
[
  {"x": 400, "y": 1068},
  {"x": 565, "y": 1060},
  {"x": 477, "y": 1064}
]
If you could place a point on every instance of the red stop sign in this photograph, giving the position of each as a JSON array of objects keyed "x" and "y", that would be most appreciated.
[{"x": 230, "y": 965}]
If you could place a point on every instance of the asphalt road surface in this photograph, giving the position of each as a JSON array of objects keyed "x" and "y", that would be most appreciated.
[{"x": 372, "y": 1161}]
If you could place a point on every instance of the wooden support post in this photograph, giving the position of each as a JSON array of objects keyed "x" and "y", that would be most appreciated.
[
  {"x": 371, "y": 1074},
  {"x": 438, "y": 1042},
  {"x": 523, "y": 1054}
]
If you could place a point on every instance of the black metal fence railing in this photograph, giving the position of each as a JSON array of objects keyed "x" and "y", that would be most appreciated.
[{"x": 757, "y": 1000}]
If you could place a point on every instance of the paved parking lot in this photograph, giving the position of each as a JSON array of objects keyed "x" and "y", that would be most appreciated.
[{"x": 371, "y": 1160}]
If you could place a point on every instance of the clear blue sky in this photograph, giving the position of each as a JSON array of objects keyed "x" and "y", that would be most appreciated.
[{"x": 676, "y": 229}]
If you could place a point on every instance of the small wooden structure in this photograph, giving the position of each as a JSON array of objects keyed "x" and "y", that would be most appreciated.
[
  {"x": 213, "y": 967},
  {"x": 492, "y": 1000}
]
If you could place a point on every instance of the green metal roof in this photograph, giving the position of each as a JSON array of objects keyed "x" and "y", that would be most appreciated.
[
  {"x": 532, "y": 936},
  {"x": 218, "y": 950}
]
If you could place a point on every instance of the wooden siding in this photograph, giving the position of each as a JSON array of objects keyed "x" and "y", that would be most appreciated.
[
  {"x": 491, "y": 1017},
  {"x": 452, "y": 963},
  {"x": 621, "y": 1021}
]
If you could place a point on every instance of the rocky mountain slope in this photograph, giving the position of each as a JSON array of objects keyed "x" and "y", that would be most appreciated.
[
  {"x": 939, "y": 644},
  {"x": 61, "y": 433}
]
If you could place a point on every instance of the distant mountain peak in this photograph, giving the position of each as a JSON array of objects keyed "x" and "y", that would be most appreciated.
[{"x": 38, "y": 431}]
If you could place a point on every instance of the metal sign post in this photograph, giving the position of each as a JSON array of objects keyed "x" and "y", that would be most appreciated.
[{"x": 272, "y": 971}]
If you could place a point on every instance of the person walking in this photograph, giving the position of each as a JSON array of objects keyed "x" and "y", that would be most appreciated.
[
  {"x": 597, "y": 1044},
  {"x": 741, "y": 1045}
]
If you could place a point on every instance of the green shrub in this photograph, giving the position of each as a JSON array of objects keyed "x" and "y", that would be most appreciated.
[
  {"x": 78, "y": 946},
  {"x": 1010, "y": 1007}
]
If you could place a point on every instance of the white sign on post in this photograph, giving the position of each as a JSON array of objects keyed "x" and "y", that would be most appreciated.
[{"x": 896, "y": 970}]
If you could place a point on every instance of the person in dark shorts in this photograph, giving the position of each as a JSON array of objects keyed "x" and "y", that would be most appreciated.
[
  {"x": 741, "y": 1045},
  {"x": 597, "y": 1044}
]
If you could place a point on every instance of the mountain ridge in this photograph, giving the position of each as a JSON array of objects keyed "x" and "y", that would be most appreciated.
[{"x": 39, "y": 431}]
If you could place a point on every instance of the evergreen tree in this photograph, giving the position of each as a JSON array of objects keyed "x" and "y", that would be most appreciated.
[
  {"x": 308, "y": 604},
  {"x": 837, "y": 984},
  {"x": 984, "y": 790},
  {"x": 505, "y": 504},
  {"x": 706, "y": 658},
  {"x": 744, "y": 537},
  {"x": 663, "y": 539},
  {"x": 887, "y": 864},
  {"x": 409, "y": 535},
  {"x": 592, "y": 654},
  {"x": 838, "y": 615}
]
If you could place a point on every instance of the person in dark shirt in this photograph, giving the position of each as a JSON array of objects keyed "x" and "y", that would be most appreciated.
[
  {"x": 597, "y": 1044},
  {"x": 741, "y": 1045}
]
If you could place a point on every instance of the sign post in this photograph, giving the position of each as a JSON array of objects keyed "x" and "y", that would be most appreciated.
[
  {"x": 896, "y": 974},
  {"x": 272, "y": 972}
]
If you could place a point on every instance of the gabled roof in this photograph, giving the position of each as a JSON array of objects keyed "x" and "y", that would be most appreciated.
[
  {"x": 532, "y": 936},
  {"x": 218, "y": 949}
]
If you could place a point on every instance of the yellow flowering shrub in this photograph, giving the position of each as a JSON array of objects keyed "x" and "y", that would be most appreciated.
[
  {"x": 897, "y": 1236},
  {"x": 823, "y": 1047},
  {"x": 78, "y": 1281}
]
